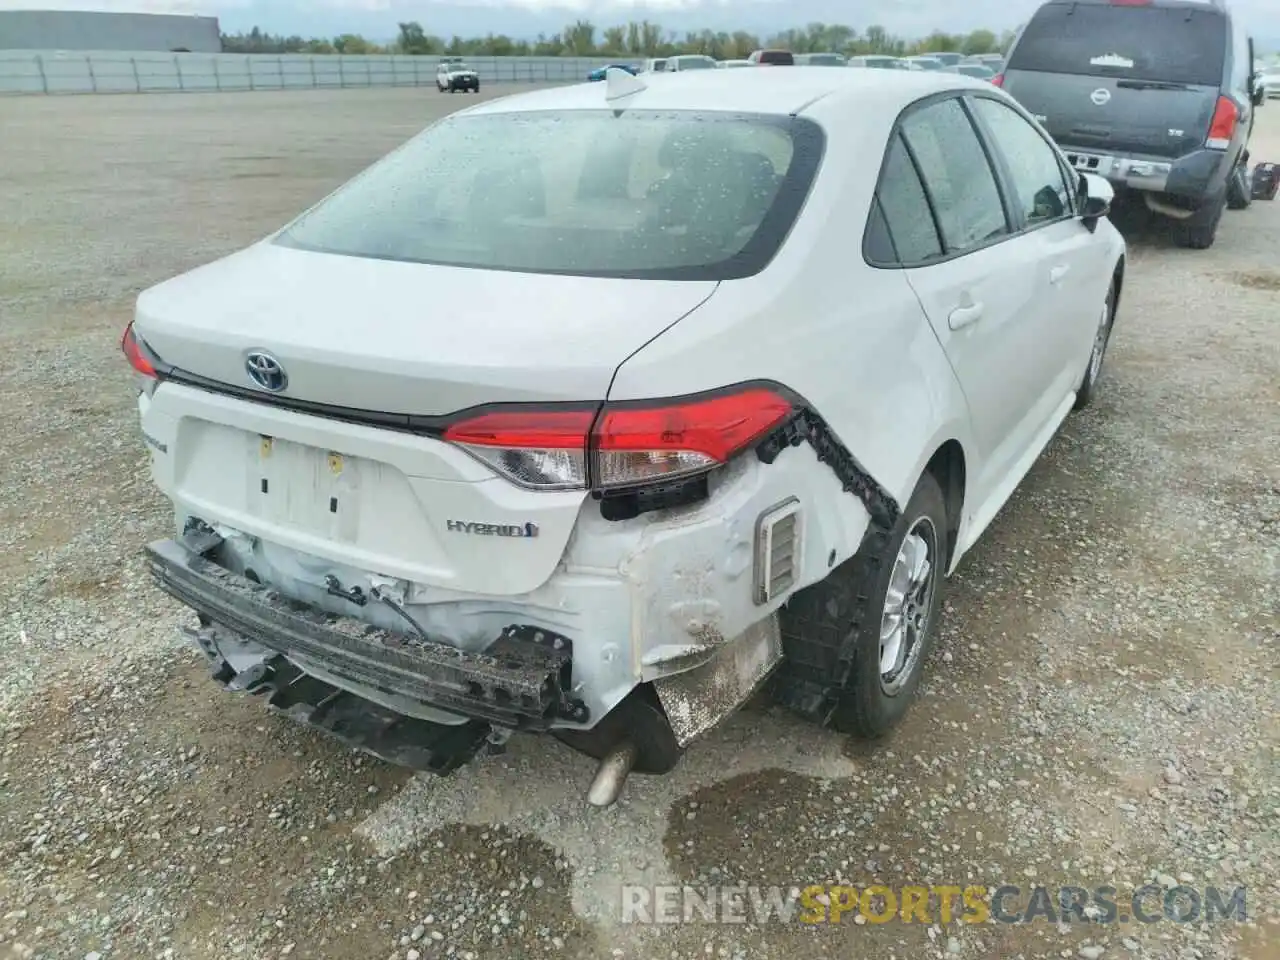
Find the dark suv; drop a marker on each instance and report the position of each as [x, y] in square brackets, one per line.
[1155, 95]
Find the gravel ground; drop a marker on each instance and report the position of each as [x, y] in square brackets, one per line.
[1102, 708]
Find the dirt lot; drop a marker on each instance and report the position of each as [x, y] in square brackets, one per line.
[1104, 707]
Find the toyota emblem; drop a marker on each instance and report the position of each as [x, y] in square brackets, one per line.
[1100, 96]
[265, 371]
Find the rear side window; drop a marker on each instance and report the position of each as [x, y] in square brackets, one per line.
[957, 175]
[1173, 44]
[905, 209]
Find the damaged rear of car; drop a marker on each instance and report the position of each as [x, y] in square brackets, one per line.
[406, 509]
[562, 418]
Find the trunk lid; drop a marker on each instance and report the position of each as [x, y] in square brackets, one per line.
[406, 338]
[373, 335]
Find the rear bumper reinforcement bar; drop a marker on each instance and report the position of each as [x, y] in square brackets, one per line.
[359, 723]
[522, 681]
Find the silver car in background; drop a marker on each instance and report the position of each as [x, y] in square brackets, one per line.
[690, 61]
[879, 61]
[924, 63]
[1269, 82]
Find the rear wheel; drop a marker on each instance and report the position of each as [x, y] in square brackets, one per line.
[1239, 191]
[862, 635]
[1200, 229]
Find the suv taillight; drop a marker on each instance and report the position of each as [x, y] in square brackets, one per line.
[136, 353]
[1223, 127]
[998, 80]
[625, 445]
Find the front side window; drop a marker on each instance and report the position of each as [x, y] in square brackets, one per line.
[642, 194]
[956, 174]
[1042, 193]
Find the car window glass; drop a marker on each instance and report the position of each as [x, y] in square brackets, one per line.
[877, 245]
[1241, 64]
[672, 195]
[906, 209]
[1042, 192]
[956, 171]
[1134, 42]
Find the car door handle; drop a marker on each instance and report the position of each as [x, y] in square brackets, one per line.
[1057, 273]
[963, 316]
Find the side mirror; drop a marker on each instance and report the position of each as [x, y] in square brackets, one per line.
[1096, 195]
[1259, 95]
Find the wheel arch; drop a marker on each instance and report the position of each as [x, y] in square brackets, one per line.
[1118, 274]
[947, 466]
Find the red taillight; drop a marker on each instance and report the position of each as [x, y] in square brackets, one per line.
[534, 447]
[546, 429]
[135, 354]
[1225, 116]
[998, 80]
[628, 444]
[638, 443]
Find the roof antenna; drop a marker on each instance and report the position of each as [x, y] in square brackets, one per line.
[618, 83]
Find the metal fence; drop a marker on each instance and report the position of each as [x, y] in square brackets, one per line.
[109, 71]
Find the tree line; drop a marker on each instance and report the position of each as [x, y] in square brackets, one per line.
[635, 39]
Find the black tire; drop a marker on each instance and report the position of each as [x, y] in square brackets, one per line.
[1239, 190]
[831, 630]
[1088, 388]
[1199, 230]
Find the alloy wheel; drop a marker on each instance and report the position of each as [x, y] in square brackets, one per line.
[908, 606]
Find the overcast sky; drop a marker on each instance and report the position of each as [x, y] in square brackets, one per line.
[377, 19]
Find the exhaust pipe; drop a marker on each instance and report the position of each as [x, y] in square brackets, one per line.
[1166, 209]
[611, 775]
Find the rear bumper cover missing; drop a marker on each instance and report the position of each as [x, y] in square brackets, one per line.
[522, 682]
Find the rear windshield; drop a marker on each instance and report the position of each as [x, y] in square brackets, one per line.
[677, 195]
[782, 57]
[1174, 44]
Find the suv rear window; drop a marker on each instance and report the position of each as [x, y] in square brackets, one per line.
[676, 195]
[1174, 44]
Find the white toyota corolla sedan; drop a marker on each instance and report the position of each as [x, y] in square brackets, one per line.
[590, 410]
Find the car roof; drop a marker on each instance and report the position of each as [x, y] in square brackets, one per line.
[1218, 5]
[764, 91]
